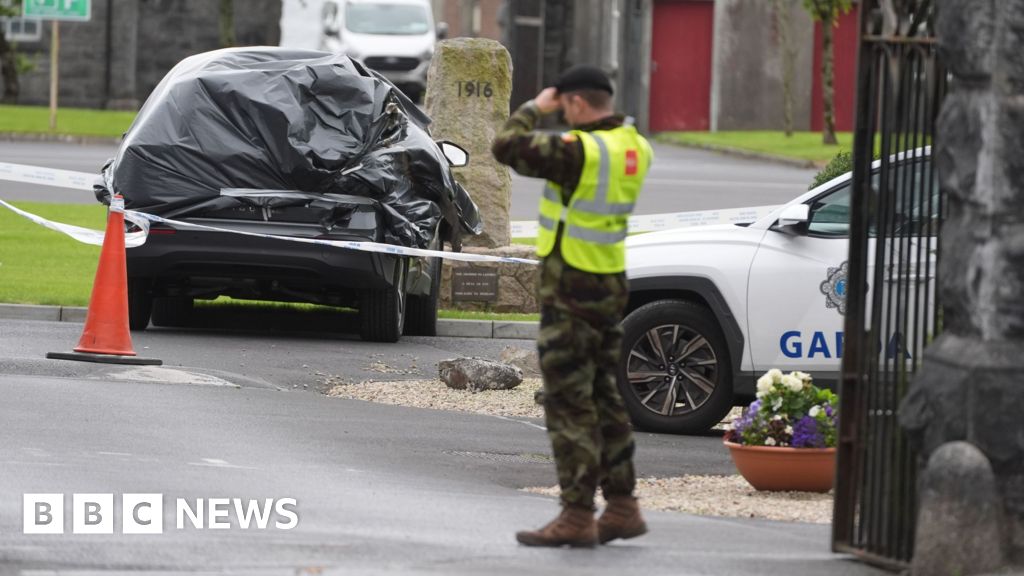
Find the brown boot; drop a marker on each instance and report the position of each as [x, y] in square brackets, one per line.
[574, 527]
[621, 519]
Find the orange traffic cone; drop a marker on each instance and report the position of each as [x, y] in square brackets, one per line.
[106, 337]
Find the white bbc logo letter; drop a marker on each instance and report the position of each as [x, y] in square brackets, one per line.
[142, 513]
[92, 514]
[43, 514]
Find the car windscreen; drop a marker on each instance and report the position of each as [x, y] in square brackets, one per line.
[391, 19]
[912, 209]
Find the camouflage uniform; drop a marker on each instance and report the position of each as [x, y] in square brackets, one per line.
[580, 338]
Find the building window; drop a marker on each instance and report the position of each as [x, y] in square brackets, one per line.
[22, 29]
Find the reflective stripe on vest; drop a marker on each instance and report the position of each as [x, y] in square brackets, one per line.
[600, 204]
[595, 222]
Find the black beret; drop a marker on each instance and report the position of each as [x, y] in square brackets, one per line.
[583, 77]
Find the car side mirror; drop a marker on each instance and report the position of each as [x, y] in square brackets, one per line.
[456, 155]
[442, 30]
[794, 218]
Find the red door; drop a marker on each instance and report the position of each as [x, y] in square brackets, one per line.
[845, 81]
[681, 65]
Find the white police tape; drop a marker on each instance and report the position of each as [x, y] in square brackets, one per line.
[349, 244]
[83, 235]
[520, 229]
[655, 222]
[47, 176]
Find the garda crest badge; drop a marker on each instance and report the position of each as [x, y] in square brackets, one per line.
[834, 288]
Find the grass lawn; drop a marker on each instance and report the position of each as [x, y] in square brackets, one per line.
[70, 121]
[800, 146]
[40, 266]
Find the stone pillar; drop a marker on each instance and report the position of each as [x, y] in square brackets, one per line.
[124, 24]
[468, 91]
[971, 386]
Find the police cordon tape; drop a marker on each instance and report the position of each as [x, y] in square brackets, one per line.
[520, 229]
[656, 222]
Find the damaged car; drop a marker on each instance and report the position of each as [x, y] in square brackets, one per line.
[280, 144]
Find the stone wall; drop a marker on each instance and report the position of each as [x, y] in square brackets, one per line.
[970, 385]
[118, 57]
[748, 94]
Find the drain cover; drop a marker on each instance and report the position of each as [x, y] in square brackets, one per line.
[524, 458]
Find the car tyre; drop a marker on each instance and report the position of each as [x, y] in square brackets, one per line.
[172, 311]
[421, 312]
[382, 312]
[140, 303]
[675, 375]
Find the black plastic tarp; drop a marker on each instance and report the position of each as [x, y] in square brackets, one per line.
[291, 120]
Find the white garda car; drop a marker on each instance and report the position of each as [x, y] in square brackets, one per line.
[711, 308]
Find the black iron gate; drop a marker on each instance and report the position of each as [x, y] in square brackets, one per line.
[892, 308]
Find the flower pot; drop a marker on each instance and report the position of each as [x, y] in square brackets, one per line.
[784, 469]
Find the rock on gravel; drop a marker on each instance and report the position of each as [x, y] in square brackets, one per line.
[729, 496]
[475, 374]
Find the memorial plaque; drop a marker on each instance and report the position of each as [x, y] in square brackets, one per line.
[474, 285]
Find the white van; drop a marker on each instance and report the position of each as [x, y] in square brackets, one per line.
[393, 37]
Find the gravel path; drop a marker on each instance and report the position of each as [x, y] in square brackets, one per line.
[729, 496]
[517, 402]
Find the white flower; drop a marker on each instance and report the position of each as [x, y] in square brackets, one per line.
[775, 374]
[814, 411]
[777, 403]
[777, 417]
[793, 383]
[769, 441]
[789, 430]
[803, 376]
[764, 385]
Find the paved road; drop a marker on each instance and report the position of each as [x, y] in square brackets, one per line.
[680, 179]
[380, 489]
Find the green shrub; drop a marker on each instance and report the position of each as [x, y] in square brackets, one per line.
[840, 164]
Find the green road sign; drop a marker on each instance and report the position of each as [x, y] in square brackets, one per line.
[79, 10]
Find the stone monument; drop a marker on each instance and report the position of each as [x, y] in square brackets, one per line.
[970, 385]
[468, 91]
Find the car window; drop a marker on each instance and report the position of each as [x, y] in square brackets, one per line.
[830, 214]
[914, 213]
[394, 19]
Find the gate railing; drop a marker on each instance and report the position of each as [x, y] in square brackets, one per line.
[892, 309]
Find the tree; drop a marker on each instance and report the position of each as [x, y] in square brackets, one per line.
[8, 56]
[227, 23]
[787, 50]
[827, 12]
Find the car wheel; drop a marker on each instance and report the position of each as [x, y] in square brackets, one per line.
[421, 313]
[140, 303]
[382, 312]
[172, 311]
[675, 375]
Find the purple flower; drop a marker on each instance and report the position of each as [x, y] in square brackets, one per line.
[806, 434]
[745, 420]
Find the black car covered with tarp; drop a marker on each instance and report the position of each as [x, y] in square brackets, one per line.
[286, 143]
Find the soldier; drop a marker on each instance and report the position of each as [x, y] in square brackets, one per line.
[594, 174]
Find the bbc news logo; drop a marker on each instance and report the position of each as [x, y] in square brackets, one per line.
[144, 513]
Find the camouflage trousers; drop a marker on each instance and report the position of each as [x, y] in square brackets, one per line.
[580, 343]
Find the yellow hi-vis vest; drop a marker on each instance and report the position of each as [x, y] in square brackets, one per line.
[595, 221]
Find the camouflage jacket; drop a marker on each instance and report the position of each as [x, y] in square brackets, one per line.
[554, 157]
